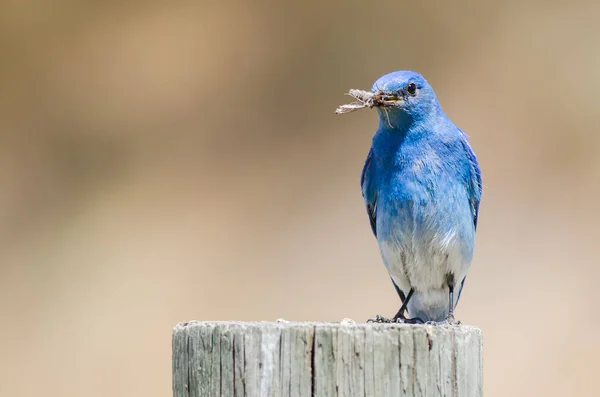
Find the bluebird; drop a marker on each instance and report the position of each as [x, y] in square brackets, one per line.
[421, 184]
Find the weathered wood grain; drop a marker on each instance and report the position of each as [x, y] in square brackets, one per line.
[222, 359]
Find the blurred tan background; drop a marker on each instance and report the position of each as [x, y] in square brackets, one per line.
[169, 161]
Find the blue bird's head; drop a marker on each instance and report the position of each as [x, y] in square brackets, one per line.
[406, 97]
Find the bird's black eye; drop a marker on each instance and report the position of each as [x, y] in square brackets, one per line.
[411, 88]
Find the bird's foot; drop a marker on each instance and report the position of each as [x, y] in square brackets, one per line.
[404, 320]
[396, 320]
[380, 320]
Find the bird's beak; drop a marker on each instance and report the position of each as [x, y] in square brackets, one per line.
[383, 99]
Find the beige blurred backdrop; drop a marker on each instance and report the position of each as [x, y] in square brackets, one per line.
[169, 161]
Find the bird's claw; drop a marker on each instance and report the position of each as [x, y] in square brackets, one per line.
[396, 320]
[404, 320]
[380, 320]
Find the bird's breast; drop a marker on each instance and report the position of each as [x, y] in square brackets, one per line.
[424, 226]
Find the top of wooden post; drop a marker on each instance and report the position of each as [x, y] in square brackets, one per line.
[273, 359]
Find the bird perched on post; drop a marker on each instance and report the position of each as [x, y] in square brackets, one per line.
[421, 184]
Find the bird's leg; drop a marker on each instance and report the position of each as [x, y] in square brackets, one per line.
[400, 314]
[381, 319]
[450, 318]
[400, 317]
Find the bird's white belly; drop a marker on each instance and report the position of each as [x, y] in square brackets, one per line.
[424, 265]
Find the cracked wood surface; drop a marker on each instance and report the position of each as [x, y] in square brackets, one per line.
[283, 359]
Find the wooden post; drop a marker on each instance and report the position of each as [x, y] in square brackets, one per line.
[283, 359]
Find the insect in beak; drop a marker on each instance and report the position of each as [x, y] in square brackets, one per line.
[366, 99]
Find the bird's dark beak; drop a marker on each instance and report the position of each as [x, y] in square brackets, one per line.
[384, 99]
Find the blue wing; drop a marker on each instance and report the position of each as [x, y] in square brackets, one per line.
[474, 189]
[369, 192]
[473, 180]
